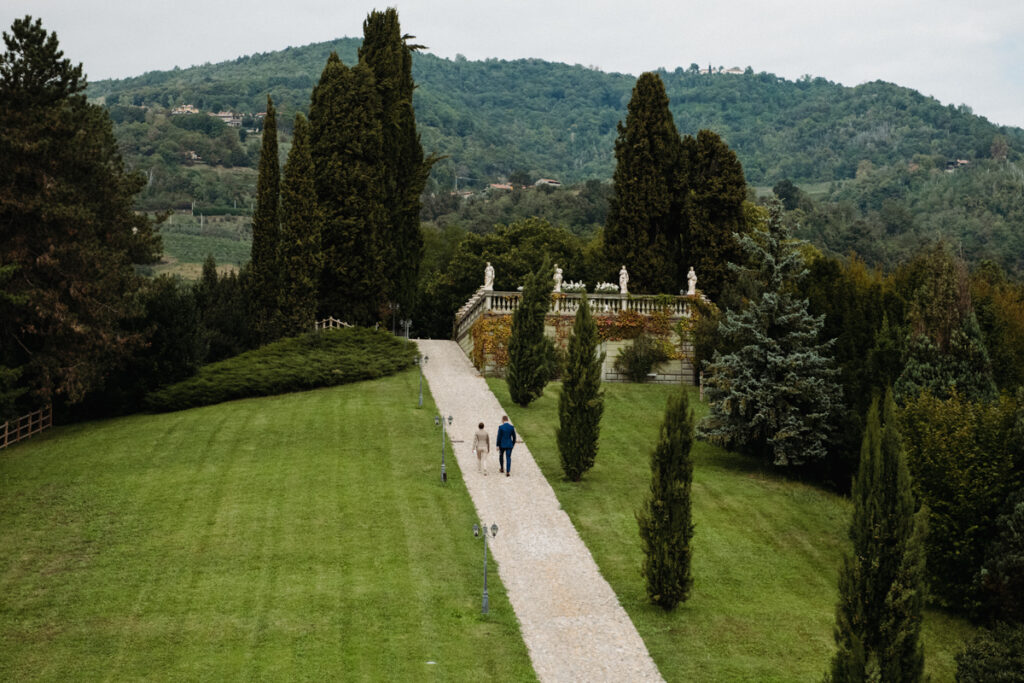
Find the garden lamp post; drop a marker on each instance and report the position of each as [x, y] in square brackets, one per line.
[406, 324]
[438, 420]
[421, 361]
[493, 532]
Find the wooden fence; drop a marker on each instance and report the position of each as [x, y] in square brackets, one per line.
[330, 323]
[25, 426]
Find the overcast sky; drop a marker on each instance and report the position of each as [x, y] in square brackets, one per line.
[958, 51]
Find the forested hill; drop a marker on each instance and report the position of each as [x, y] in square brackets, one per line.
[498, 118]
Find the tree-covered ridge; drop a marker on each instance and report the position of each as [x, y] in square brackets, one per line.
[495, 118]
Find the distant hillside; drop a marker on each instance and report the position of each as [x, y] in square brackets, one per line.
[531, 118]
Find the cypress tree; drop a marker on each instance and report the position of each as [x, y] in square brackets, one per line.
[528, 350]
[300, 251]
[666, 525]
[881, 583]
[265, 268]
[404, 171]
[716, 188]
[345, 127]
[643, 228]
[581, 403]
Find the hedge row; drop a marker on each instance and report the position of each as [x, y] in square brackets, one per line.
[317, 359]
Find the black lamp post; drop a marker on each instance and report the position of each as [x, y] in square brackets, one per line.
[421, 361]
[493, 533]
[438, 420]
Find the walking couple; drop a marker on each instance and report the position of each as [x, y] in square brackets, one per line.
[505, 441]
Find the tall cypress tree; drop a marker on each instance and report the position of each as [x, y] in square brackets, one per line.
[265, 269]
[666, 524]
[716, 188]
[404, 171]
[346, 139]
[643, 228]
[881, 583]
[300, 253]
[581, 403]
[528, 350]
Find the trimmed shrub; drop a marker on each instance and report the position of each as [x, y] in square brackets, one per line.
[317, 359]
[636, 360]
[995, 656]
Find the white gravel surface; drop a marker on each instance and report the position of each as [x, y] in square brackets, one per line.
[572, 623]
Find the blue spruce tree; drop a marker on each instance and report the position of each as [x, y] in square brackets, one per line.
[772, 396]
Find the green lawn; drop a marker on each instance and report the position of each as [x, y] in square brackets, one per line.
[303, 536]
[766, 550]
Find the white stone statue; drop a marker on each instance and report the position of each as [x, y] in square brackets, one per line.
[489, 277]
[623, 281]
[691, 279]
[558, 278]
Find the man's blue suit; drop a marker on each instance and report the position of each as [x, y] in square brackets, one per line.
[505, 441]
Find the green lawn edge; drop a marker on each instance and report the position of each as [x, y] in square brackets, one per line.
[766, 550]
[296, 537]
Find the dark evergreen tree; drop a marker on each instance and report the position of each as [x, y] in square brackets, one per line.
[666, 524]
[345, 127]
[714, 211]
[529, 351]
[404, 171]
[944, 349]
[643, 227]
[774, 395]
[221, 304]
[300, 251]
[266, 267]
[881, 583]
[993, 656]
[68, 231]
[1001, 579]
[581, 403]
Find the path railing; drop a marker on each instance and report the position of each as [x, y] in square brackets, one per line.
[331, 323]
[23, 427]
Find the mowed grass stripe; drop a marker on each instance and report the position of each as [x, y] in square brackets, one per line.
[766, 550]
[304, 536]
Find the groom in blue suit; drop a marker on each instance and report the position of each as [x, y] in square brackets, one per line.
[505, 441]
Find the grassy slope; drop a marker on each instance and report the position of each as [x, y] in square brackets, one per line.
[766, 550]
[303, 536]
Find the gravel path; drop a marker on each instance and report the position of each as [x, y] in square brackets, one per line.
[572, 623]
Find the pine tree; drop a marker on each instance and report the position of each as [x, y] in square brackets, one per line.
[643, 228]
[581, 403]
[529, 351]
[881, 583]
[345, 136]
[69, 233]
[265, 265]
[299, 252]
[773, 397]
[714, 211]
[666, 525]
[389, 55]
